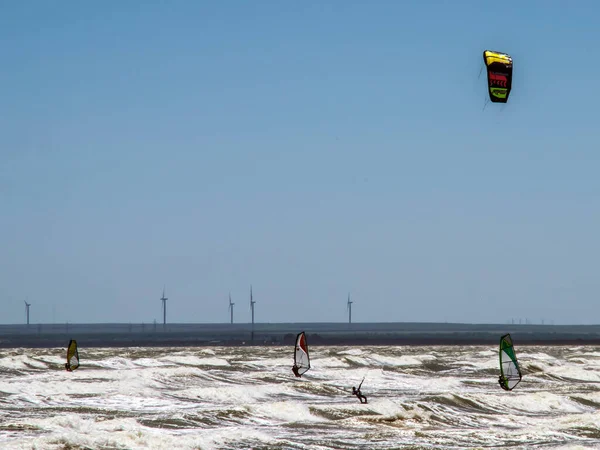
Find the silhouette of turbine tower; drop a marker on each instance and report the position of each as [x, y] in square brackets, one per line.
[27, 305]
[349, 308]
[164, 307]
[231, 308]
[252, 302]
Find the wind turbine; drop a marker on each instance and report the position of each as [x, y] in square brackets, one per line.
[231, 307]
[27, 305]
[252, 302]
[349, 308]
[164, 307]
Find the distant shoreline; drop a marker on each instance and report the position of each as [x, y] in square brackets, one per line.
[95, 343]
[318, 334]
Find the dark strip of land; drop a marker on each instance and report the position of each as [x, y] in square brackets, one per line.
[180, 335]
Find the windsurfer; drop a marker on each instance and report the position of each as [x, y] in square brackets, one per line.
[358, 394]
[502, 383]
[295, 370]
[68, 367]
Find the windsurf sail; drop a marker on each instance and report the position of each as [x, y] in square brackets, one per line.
[510, 372]
[73, 355]
[499, 74]
[301, 356]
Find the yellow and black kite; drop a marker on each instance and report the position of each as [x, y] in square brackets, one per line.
[499, 73]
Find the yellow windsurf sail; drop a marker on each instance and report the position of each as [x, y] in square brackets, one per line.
[72, 355]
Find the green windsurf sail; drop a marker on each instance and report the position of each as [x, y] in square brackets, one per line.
[510, 372]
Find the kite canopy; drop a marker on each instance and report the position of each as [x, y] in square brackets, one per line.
[73, 354]
[499, 73]
[301, 358]
[510, 371]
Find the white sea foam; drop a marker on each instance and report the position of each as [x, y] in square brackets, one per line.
[195, 361]
[236, 398]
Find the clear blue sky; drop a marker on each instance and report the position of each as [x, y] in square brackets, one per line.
[310, 149]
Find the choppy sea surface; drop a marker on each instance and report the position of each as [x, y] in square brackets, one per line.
[439, 397]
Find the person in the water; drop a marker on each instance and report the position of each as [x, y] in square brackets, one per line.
[68, 367]
[295, 370]
[502, 383]
[359, 394]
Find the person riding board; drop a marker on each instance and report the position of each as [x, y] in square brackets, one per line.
[502, 383]
[68, 367]
[358, 394]
[295, 370]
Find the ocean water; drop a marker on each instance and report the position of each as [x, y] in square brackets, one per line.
[440, 397]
